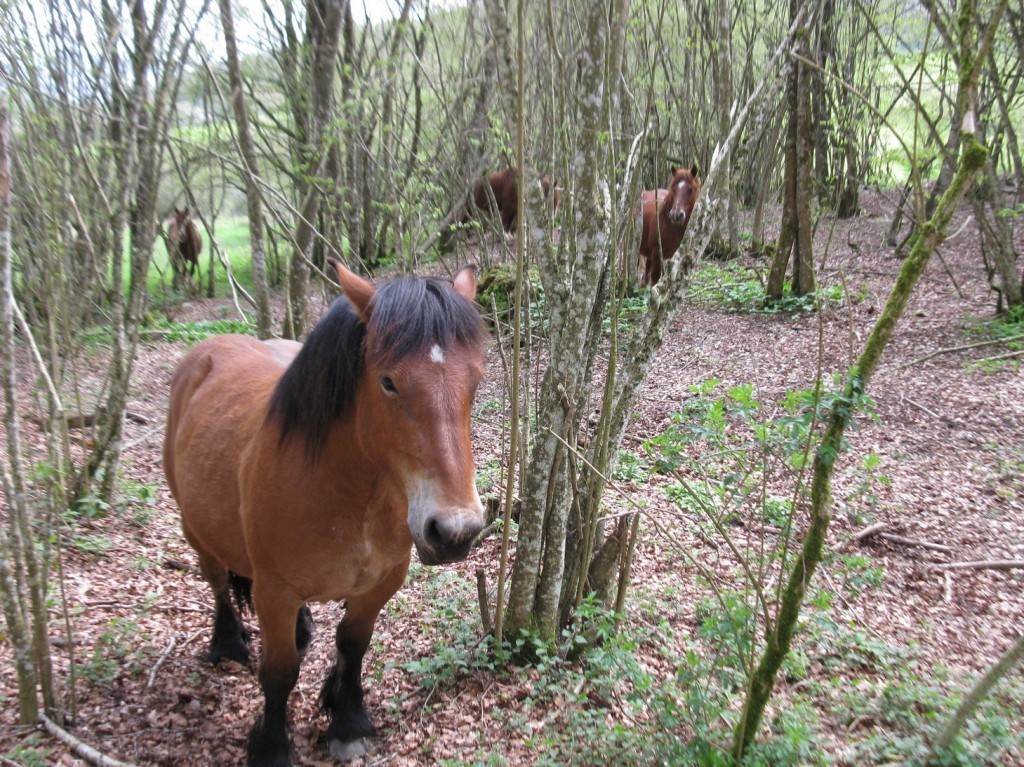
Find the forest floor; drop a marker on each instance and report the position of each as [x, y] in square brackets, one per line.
[889, 643]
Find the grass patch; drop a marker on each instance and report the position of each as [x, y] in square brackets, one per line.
[1008, 328]
[735, 287]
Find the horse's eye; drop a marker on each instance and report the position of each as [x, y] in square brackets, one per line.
[388, 386]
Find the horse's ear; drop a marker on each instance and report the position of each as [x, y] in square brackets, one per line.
[694, 172]
[465, 282]
[356, 289]
[672, 170]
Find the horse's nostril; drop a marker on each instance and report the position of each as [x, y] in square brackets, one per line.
[433, 534]
[451, 535]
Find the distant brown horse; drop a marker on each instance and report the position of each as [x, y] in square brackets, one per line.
[184, 243]
[306, 472]
[666, 214]
[504, 186]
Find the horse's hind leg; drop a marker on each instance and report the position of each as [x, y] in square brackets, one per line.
[342, 693]
[230, 637]
[304, 628]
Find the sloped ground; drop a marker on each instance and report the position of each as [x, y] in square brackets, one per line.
[949, 435]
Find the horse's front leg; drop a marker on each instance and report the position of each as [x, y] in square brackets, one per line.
[277, 611]
[342, 693]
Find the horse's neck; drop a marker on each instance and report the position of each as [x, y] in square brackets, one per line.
[363, 477]
[663, 199]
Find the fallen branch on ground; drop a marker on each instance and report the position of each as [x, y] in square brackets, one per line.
[985, 564]
[911, 542]
[869, 531]
[951, 349]
[996, 358]
[876, 530]
[78, 747]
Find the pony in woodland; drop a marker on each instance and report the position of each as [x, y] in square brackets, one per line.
[500, 192]
[665, 214]
[184, 244]
[307, 472]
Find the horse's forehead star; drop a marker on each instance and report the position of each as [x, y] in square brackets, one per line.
[437, 354]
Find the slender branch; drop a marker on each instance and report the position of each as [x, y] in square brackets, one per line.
[978, 693]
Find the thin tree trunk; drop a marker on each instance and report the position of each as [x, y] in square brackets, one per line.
[537, 577]
[795, 236]
[788, 227]
[253, 197]
[15, 548]
[327, 31]
[803, 258]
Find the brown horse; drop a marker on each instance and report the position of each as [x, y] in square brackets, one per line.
[666, 214]
[504, 187]
[184, 243]
[305, 473]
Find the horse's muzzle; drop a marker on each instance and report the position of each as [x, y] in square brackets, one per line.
[447, 537]
[677, 217]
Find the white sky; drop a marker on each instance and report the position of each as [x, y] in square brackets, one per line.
[249, 13]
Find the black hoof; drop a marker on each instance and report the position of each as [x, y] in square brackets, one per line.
[236, 649]
[350, 729]
[267, 749]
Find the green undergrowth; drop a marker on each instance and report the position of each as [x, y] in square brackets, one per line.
[1008, 331]
[664, 684]
[164, 330]
[652, 689]
[738, 287]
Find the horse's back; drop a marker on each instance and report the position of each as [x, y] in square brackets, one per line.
[219, 395]
[649, 217]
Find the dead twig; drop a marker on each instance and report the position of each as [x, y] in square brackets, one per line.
[923, 409]
[869, 531]
[80, 748]
[911, 542]
[965, 347]
[151, 679]
[996, 358]
[985, 564]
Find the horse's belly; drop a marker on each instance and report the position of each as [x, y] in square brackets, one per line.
[218, 398]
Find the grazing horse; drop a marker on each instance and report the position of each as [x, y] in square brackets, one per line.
[504, 187]
[184, 243]
[306, 473]
[666, 214]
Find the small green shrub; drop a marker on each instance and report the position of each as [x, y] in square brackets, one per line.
[121, 646]
[30, 753]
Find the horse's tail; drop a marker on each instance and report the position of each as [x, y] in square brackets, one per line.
[241, 587]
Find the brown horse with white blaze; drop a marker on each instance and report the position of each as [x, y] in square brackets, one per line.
[307, 473]
[665, 214]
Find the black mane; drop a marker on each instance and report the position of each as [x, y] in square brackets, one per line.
[407, 316]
